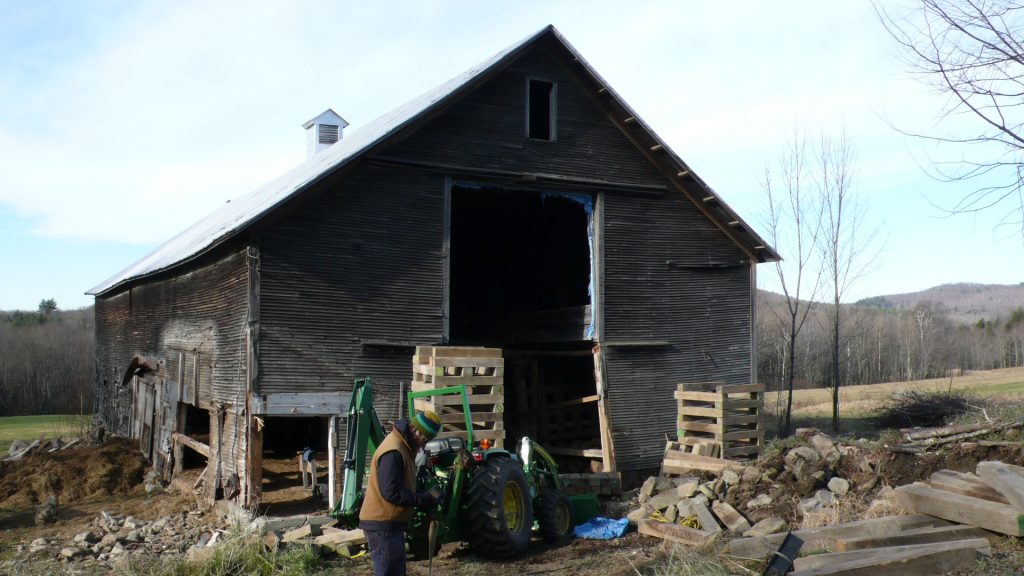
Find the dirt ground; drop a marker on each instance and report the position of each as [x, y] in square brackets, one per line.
[109, 478]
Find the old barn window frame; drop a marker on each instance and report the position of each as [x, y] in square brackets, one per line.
[541, 109]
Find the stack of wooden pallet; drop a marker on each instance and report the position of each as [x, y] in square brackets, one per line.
[955, 516]
[481, 370]
[721, 420]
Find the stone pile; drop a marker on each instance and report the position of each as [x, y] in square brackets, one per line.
[755, 499]
[113, 536]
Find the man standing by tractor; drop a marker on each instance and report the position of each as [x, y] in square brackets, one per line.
[391, 492]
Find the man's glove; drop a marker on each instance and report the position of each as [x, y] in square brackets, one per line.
[436, 495]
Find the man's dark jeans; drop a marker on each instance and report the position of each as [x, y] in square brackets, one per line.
[387, 550]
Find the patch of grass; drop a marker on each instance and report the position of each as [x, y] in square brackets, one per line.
[32, 427]
[240, 552]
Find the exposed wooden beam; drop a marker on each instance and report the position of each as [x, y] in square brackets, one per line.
[630, 120]
[683, 173]
[656, 147]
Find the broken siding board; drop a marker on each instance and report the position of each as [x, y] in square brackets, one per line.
[1004, 480]
[824, 538]
[673, 532]
[993, 516]
[918, 536]
[918, 560]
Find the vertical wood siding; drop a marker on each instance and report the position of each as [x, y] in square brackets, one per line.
[202, 310]
[669, 276]
[487, 130]
[360, 263]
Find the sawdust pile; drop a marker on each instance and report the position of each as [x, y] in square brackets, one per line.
[115, 467]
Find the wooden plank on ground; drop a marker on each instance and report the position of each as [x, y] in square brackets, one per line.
[1005, 481]
[966, 484]
[823, 539]
[918, 536]
[673, 532]
[924, 499]
[683, 463]
[916, 560]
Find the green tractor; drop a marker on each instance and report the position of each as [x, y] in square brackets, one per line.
[494, 499]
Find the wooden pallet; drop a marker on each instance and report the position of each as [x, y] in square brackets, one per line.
[481, 370]
[721, 420]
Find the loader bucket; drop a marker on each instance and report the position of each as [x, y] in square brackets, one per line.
[584, 508]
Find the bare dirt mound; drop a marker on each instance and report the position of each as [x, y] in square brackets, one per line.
[115, 467]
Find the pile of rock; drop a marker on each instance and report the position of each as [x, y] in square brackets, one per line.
[758, 498]
[112, 536]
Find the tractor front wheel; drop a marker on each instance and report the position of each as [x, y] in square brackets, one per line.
[499, 514]
[554, 515]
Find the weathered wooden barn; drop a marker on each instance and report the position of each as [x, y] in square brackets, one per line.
[521, 205]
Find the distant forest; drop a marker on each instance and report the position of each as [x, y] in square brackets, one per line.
[46, 361]
[887, 342]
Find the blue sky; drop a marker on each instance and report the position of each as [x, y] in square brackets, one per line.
[121, 123]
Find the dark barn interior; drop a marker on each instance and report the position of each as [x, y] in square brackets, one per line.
[521, 280]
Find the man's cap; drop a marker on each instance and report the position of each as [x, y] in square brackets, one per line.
[428, 423]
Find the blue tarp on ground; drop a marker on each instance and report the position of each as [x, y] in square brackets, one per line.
[601, 529]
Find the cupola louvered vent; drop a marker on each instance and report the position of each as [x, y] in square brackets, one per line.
[328, 133]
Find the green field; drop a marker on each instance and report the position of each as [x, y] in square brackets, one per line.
[32, 427]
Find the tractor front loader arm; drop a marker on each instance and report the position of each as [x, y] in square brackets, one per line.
[365, 433]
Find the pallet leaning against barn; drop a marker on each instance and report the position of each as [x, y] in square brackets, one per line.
[721, 420]
[482, 370]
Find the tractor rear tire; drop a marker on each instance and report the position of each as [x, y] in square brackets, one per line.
[499, 514]
[554, 515]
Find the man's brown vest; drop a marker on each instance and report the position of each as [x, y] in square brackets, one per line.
[375, 507]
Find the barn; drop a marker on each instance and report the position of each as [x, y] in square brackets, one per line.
[522, 205]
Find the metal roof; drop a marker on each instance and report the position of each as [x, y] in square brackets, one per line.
[236, 215]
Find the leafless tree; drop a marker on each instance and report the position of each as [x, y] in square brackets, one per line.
[794, 221]
[971, 51]
[847, 248]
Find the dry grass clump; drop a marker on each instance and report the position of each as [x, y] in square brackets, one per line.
[921, 408]
[846, 509]
[682, 561]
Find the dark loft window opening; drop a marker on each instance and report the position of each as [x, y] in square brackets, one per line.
[520, 266]
[540, 110]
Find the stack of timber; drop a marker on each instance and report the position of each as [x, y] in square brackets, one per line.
[721, 420]
[957, 516]
[481, 370]
[992, 499]
[919, 440]
[915, 545]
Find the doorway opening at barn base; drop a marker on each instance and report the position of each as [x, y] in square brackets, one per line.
[287, 441]
[521, 275]
[196, 425]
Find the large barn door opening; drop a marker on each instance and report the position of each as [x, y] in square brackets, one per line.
[521, 279]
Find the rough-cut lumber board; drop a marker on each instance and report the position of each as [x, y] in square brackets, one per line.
[824, 538]
[677, 462]
[917, 560]
[307, 531]
[966, 484]
[1005, 481]
[918, 536]
[993, 516]
[192, 443]
[673, 532]
[335, 538]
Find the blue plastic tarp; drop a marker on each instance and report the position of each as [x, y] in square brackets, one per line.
[602, 528]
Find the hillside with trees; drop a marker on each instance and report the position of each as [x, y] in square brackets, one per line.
[46, 361]
[963, 303]
[898, 338]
